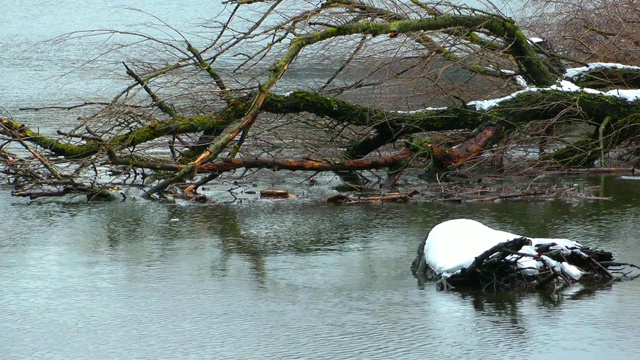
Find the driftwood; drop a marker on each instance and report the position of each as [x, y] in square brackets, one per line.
[276, 194]
[508, 196]
[391, 197]
[496, 269]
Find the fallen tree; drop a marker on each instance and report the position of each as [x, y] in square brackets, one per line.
[550, 116]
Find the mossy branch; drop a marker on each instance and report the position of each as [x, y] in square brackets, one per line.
[164, 107]
[207, 67]
[534, 68]
[521, 109]
[157, 129]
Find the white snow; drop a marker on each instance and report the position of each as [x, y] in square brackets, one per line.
[488, 104]
[518, 78]
[575, 73]
[420, 110]
[506, 72]
[521, 81]
[567, 86]
[628, 94]
[417, 111]
[571, 270]
[454, 244]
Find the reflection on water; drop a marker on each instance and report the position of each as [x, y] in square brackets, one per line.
[293, 279]
[275, 280]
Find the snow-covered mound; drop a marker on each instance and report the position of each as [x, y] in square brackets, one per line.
[454, 244]
[464, 253]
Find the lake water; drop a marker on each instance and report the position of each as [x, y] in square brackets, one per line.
[270, 280]
[293, 279]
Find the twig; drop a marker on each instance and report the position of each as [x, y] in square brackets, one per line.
[167, 109]
[86, 103]
[40, 158]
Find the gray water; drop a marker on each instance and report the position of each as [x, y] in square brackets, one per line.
[293, 279]
[270, 280]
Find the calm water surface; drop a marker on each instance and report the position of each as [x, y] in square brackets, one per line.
[293, 279]
[266, 280]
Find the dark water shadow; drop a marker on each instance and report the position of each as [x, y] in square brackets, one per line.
[507, 303]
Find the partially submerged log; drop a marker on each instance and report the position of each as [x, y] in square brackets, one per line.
[465, 254]
[391, 197]
[276, 194]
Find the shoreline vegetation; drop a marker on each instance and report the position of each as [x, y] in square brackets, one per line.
[469, 105]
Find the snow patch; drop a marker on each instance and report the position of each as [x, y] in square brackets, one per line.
[488, 104]
[417, 111]
[576, 73]
[521, 81]
[454, 244]
[628, 94]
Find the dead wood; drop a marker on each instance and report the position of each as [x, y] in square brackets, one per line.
[390, 197]
[509, 196]
[276, 194]
[192, 126]
[36, 195]
[468, 149]
[497, 270]
[229, 164]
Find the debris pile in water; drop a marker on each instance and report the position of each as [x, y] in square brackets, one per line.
[466, 254]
